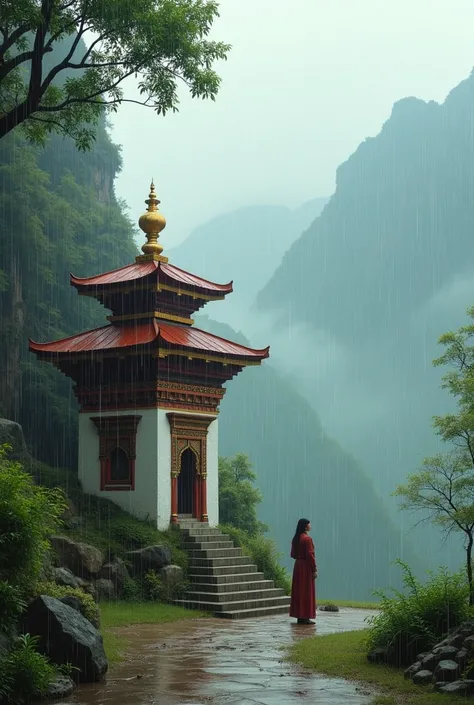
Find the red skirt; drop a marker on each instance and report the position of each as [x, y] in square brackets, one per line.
[303, 591]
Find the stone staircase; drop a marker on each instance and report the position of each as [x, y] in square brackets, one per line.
[223, 581]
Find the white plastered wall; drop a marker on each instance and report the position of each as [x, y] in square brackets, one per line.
[151, 498]
[142, 502]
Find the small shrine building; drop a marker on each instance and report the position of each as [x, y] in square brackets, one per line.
[149, 386]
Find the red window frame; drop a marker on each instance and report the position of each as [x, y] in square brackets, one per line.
[116, 432]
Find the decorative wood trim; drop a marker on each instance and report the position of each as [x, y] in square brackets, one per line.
[116, 432]
[189, 431]
[168, 395]
[152, 314]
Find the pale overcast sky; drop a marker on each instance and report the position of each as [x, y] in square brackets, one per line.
[305, 83]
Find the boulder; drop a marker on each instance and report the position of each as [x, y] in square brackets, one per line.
[149, 558]
[378, 655]
[117, 572]
[83, 560]
[329, 608]
[423, 677]
[62, 687]
[411, 670]
[171, 574]
[63, 576]
[105, 589]
[67, 637]
[77, 605]
[464, 687]
[88, 587]
[468, 643]
[12, 433]
[462, 658]
[430, 662]
[447, 670]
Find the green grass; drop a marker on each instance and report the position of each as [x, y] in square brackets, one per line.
[123, 614]
[345, 656]
[350, 603]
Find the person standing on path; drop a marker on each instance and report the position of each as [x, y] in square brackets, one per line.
[303, 591]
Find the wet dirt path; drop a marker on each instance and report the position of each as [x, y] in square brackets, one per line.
[214, 662]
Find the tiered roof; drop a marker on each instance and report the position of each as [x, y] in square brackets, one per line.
[151, 301]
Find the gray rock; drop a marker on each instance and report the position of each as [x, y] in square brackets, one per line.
[461, 687]
[329, 608]
[469, 643]
[88, 587]
[411, 670]
[462, 657]
[430, 662]
[117, 572]
[12, 433]
[105, 589]
[378, 655]
[423, 677]
[149, 558]
[447, 670]
[420, 657]
[62, 687]
[67, 637]
[81, 558]
[63, 576]
[445, 652]
[171, 574]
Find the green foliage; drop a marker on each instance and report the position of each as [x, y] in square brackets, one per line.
[263, 552]
[84, 51]
[24, 673]
[412, 622]
[238, 498]
[29, 514]
[11, 606]
[158, 590]
[90, 608]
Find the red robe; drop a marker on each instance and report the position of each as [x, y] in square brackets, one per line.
[303, 591]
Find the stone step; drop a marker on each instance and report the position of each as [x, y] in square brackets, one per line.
[243, 586]
[235, 605]
[227, 552]
[219, 598]
[194, 546]
[254, 613]
[225, 579]
[201, 531]
[219, 562]
[205, 538]
[218, 571]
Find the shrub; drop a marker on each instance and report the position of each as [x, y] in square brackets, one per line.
[25, 674]
[28, 516]
[410, 623]
[11, 606]
[90, 608]
[263, 552]
[159, 591]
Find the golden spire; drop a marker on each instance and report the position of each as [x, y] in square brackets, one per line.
[152, 223]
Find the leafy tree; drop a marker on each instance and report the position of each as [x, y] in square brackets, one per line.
[103, 43]
[238, 498]
[444, 486]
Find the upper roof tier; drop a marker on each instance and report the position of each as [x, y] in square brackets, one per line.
[140, 270]
[169, 337]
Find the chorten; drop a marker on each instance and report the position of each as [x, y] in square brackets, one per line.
[149, 385]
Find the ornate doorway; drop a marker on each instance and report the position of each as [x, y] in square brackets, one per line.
[187, 481]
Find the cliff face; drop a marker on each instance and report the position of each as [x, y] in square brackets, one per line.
[369, 287]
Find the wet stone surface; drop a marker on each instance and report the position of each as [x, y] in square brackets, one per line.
[209, 662]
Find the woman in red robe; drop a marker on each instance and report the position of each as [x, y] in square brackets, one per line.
[303, 592]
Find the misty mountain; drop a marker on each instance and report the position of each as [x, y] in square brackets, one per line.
[383, 271]
[245, 246]
[303, 472]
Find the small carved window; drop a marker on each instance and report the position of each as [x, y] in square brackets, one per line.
[117, 452]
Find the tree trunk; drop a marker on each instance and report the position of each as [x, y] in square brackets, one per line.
[14, 330]
[469, 568]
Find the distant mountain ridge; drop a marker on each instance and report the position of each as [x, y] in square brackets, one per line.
[245, 246]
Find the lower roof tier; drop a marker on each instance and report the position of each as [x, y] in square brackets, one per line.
[167, 337]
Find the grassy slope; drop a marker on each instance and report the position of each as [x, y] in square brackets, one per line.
[345, 656]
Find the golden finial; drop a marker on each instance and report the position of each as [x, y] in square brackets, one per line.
[152, 223]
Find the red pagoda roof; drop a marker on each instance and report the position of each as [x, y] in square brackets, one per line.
[139, 270]
[113, 337]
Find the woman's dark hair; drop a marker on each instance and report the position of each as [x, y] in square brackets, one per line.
[300, 529]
